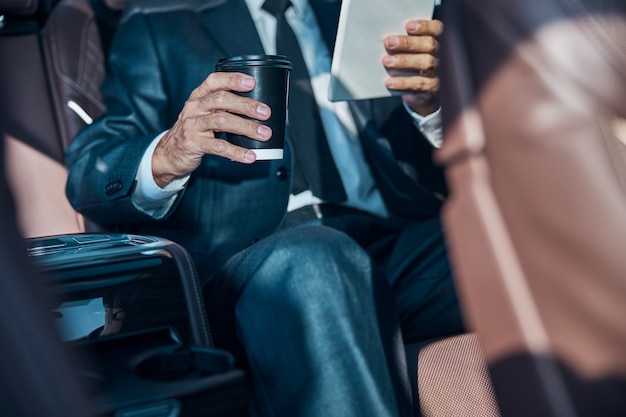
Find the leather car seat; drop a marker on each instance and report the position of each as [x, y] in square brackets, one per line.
[51, 68]
[535, 157]
[451, 378]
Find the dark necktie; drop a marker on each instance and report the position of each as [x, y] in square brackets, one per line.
[314, 165]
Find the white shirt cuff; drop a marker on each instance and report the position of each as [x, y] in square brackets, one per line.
[429, 125]
[148, 197]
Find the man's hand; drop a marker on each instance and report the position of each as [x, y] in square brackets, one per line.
[412, 61]
[211, 108]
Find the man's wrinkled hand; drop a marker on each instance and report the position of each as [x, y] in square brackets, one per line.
[211, 109]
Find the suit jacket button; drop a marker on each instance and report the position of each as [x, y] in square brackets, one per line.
[113, 187]
[282, 173]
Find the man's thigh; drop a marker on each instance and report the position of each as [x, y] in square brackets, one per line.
[421, 278]
[288, 264]
[413, 258]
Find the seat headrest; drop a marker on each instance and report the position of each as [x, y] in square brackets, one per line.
[19, 7]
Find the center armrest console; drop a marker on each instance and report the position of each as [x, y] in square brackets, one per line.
[131, 307]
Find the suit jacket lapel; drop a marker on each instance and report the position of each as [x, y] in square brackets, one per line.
[232, 29]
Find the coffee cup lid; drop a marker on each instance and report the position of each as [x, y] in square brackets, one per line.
[239, 61]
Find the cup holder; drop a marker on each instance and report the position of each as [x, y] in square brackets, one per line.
[180, 362]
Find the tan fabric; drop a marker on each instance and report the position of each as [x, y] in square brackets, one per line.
[616, 146]
[453, 379]
[619, 129]
[536, 219]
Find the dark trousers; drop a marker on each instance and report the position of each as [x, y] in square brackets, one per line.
[319, 313]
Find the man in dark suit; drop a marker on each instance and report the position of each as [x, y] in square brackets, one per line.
[304, 285]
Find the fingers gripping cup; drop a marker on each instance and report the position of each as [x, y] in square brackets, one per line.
[272, 87]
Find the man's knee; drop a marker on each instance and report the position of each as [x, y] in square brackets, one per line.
[309, 262]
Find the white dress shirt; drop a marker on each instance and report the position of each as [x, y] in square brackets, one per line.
[341, 132]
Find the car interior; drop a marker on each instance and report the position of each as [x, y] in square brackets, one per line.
[52, 62]
[132, 306]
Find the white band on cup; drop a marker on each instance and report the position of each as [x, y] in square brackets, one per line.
[267, 154]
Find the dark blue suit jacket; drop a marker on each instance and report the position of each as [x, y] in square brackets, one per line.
[161, 52]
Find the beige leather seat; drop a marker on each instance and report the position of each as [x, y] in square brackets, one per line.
[535, 101]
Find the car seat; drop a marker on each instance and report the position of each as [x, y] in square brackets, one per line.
[51, 68]
[534, 93]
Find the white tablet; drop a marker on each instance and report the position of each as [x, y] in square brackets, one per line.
[357, 71]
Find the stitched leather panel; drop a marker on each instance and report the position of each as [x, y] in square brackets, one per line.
[76, 65]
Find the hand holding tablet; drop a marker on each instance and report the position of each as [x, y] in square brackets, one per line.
[357, 70]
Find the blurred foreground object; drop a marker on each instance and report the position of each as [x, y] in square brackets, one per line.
[36, 375]
[534, 97]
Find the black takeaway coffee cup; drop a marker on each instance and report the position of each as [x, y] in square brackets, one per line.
[272, 88]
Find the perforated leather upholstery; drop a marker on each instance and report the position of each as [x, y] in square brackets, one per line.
[453, 379]
[75, 64]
